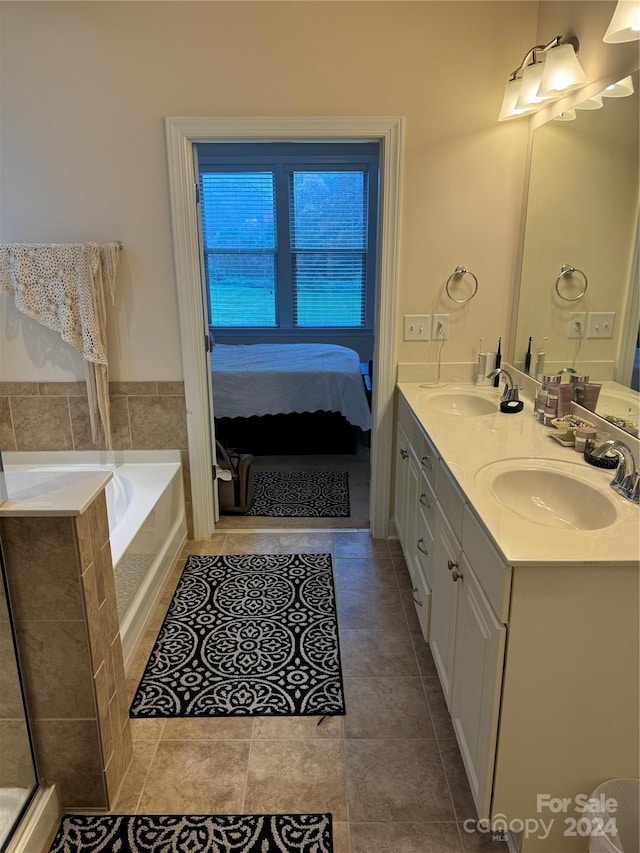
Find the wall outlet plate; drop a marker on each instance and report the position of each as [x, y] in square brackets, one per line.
[577, 324]
[600, 325]
[440, 327]
[417, 327]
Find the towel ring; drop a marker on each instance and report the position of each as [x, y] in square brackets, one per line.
[458, 273]
[566, 269]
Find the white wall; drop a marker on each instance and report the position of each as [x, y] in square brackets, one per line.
[85, 87]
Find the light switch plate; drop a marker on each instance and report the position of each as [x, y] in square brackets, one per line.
[417, 327]
[600, 325]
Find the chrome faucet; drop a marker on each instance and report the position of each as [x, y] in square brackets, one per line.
[566, 370]
[510, 391]
[627, 477]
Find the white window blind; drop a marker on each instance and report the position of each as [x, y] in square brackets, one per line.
[289, 235]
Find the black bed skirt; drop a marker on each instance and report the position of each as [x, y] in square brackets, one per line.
[297, 433]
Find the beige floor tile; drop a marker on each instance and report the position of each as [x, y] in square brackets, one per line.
[370, 608]
[147, 729]
[135, 777]
[481, 842]
[297, 776]
[359, 573]
[252, 542]
[375, 651]
[405, 838]
[463, 804]
[424, 657]
[386, 707]
[440, 716]
[298, 728]
[211, 728]
[396, 781]
[201, 777]
[359, 544]
[204, 546]
[341, 837]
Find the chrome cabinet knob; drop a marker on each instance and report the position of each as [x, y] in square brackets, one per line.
[451, 565]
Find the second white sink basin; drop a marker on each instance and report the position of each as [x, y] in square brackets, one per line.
[461, 403]
[549, 492]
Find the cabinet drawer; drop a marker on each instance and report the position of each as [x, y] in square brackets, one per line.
[424, 549]
[451, 500]
[489, 566]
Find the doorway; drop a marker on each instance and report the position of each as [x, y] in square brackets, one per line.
[181, 134]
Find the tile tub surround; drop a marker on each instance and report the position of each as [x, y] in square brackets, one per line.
[63, 598]
[55, 416]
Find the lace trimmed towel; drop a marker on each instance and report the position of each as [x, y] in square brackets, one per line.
[64, 286]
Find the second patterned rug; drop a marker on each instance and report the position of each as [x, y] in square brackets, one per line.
[301, 494]
[249, 635]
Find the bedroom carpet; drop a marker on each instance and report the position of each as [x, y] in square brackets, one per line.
[250, 635]
[301, 494]
[299, 833]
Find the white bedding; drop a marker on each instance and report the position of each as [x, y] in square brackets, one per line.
[273, 379]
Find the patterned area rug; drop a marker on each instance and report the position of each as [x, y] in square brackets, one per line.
[295, 494]
[300, 833]
[247, 636]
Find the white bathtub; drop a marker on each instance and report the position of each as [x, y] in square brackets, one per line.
[147, 525]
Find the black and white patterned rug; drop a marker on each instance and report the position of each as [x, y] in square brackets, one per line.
[296, 494]
[246, 635]
[299, 833]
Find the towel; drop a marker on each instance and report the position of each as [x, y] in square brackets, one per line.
[65, 287]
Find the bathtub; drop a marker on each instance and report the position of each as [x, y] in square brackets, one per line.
[147, 525]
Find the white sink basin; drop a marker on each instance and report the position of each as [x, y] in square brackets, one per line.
[461, 403]
[549, 492]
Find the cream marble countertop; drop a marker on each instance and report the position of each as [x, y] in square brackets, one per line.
[53, 493]
[466, 444]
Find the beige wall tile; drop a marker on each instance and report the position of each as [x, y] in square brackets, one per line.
[133, 389]
[18, 389]
[81, 425]
[170, 389]
[7, 438]
[69, 755]
[62, 389]
[104, 715]
[57, 669]
[83, 538]
[41, 423]
[10, 696]
[16, 767]
[99, 523]
[92, 608]
[37, 549]
[158, 423]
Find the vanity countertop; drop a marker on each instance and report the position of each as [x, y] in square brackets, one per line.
[467, 444]
[53, 493]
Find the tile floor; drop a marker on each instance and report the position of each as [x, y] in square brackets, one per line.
[389, 771]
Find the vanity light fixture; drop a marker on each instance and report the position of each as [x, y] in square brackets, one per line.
[546, 73]
[593, 103]
[622, 89]
[625, 24]
[567, 115]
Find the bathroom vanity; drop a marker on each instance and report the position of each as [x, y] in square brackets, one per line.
[525, 568]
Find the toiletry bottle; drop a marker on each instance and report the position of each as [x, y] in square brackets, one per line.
[540, 361]
[564, 399]
[490, 365]
[527, 358]
[498, 361]
[482, 366]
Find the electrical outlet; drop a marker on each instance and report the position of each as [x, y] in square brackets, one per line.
[600, 325]
[440, 327]
[577, 325]
[417, 327]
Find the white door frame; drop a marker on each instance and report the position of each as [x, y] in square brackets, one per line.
[181, 133]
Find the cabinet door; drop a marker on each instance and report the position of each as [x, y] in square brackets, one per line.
[401, 483]
[444, 590]
[478, 658]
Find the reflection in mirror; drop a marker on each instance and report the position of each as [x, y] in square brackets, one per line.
[579, 280]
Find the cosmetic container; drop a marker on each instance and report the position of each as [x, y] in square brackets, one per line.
[585, 438]
[564, 399]
[549, 416]
[590, 395]
[578, 385]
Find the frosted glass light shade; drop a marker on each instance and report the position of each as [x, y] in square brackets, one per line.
[625, 24]
[562, 72]
[622, 89]
[509, 107]
[529, 90]
[594, 103]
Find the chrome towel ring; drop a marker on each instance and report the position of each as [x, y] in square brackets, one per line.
[567, 270]
[458, 273]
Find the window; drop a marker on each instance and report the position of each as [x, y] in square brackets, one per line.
[289, 235]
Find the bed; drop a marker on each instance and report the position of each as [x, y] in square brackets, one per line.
[289, 398]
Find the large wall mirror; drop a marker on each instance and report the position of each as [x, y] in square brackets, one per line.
[580, 279]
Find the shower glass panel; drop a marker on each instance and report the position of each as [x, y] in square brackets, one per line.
[18, 780]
